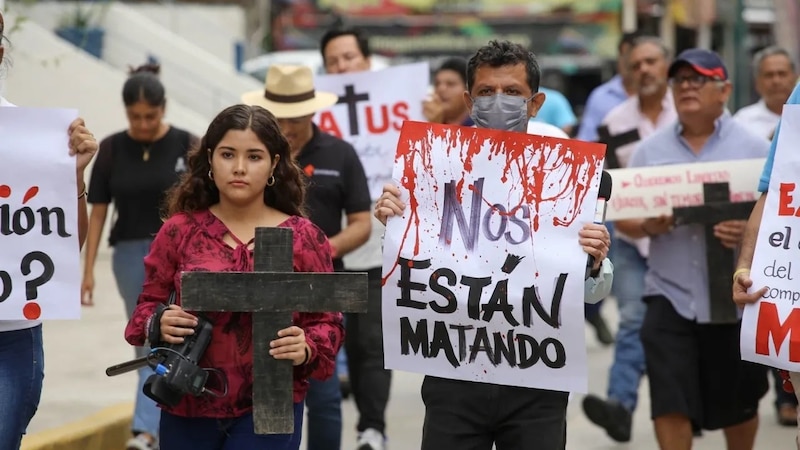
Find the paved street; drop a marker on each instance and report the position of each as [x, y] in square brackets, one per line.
[76, 386]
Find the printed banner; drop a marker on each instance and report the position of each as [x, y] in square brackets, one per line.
[40, 260]
[771, 327]
[642, 192]
[371, 110]
[483, 277]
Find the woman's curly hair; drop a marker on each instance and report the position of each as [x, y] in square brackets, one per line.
[196, 191]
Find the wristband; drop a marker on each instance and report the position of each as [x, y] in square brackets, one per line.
[154, 326]
[739, 272]
[308, 356]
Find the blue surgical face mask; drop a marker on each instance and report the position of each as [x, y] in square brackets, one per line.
[501, 112]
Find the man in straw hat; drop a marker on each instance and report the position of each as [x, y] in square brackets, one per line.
[336, 183]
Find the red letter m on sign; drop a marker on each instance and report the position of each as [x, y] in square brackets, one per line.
[769, 326]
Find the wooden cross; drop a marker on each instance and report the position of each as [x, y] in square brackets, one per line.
[615, 142]
[716, 208]
[271, 293]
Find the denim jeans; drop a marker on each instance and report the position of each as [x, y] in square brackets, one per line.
[628, 365]
[127, 263]
[324, 403]
[201, 433]
[21, 374]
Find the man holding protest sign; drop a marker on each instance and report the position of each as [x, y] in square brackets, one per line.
[503, 83]
[21, 350]
[744, 291]
[686, 345]
[651, 109]
[775, 76]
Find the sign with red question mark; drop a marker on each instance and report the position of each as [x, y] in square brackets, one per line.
[39, 263]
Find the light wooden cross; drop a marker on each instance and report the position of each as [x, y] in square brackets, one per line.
[271, 293]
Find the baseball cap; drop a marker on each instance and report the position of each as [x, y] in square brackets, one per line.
[704, 62]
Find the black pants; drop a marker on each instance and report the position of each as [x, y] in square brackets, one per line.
[465, 415]
[696, 370]
[369, 380]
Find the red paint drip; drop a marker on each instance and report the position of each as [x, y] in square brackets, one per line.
[5, 191]
[30, 194]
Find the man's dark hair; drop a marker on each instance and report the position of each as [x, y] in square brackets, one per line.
[457, 65]
[628, 39]
[361, 39]
[504, 53]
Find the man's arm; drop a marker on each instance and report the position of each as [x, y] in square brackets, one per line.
[751, 234]
[354, 235]
[741, 279]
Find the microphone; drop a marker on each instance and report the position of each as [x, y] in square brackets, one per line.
[603, 195]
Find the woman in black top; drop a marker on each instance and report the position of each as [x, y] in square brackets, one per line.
[134, 169]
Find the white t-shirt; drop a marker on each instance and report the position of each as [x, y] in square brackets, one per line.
[758, 119]
[625, 117]
[545, 129]
[14, 325]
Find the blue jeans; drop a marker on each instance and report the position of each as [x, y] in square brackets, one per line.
[201, 433]
[628, 366]
[127, 263]
[21, 375]
[324, 402]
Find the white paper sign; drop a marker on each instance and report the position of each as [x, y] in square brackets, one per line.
[642, 192]
[483, 274]
[40, 257]
[771, 327]
[371, 110]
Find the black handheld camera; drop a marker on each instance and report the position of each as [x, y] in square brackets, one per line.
[177, 372]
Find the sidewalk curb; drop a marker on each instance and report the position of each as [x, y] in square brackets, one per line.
[107, 429]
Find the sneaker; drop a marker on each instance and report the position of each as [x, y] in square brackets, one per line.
[370, 439]
[141, 441]
[609, 415]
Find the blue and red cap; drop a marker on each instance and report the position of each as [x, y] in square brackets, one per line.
[704, 62]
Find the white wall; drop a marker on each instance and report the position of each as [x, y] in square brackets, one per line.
[192, 75]
[214, 28]
[48, 72]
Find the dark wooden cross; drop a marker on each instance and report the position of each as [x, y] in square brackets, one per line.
[271, 293]
[615, 142]
[716, 208]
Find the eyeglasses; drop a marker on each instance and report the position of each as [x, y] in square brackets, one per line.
[695, 81]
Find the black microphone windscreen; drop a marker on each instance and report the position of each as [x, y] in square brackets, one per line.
[605, 186]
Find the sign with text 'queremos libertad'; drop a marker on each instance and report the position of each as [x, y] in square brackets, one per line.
[642, 192]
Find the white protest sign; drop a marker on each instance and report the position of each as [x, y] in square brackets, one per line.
[371, 110]
[642, 192]
[771, 327]
[483, 277]
[39, 262]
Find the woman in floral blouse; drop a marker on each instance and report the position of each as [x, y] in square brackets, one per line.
[241, 177]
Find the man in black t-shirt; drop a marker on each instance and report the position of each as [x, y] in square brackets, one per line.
[336, 184]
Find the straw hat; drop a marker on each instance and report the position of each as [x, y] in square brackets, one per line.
[289, 93]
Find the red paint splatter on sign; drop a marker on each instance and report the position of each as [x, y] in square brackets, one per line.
[30, 194]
